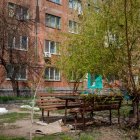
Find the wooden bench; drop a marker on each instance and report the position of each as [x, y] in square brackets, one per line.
[50, 102]
[93, 103]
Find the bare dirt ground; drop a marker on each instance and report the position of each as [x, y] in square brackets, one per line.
[23, 127]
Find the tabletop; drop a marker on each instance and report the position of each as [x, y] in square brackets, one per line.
[69, 97]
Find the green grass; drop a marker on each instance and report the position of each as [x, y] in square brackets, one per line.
[11, 138]
[5, 99]
[71, 136]
[86, 137]
[54, 137]
[59, 111]
[12, 117]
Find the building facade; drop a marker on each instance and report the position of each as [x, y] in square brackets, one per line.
[49, 21]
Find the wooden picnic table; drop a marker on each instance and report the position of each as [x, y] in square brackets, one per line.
[92, 103]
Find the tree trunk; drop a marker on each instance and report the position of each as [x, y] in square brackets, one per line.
[15, 86]
[134, 119]
[136, 111]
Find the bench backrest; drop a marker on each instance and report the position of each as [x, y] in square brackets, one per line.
[50, 100]
[103, 102]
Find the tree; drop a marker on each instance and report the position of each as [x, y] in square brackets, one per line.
[122, 24]
[108, 44]
[84, 52]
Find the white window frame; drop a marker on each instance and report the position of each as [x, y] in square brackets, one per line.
[75, 5]
[19, 78]
[56, 52]
[54, 74]
[20, 45]
[72, 30]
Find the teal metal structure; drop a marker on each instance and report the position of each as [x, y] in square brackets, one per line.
[94, 81]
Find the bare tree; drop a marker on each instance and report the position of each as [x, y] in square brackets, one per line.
[16, 53]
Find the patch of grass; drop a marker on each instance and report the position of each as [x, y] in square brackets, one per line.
[46, 138]
[69, 136]
[66, 137]
[5, 99]
[54, 137]
[59, 111]
[84, 136]
[12, 117]
[124, 111]
[11, 138]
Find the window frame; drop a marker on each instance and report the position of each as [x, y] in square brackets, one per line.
[56, 47]
[77, 7]
[54, 74]
[19, 72]
[54, 1]
[56, 19]
[18, 8]
[14, 42]
[73, 29]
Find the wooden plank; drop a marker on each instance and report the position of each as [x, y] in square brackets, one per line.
[56, 94]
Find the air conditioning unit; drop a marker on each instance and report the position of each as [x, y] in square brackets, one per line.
[80, 12]
[47, 54]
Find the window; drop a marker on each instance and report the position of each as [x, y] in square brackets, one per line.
[53, 21]
[51, 47]
[72, 76]
[52, 74]
[111, 39]
[17, 11]
[16, 71]
[56, 1]
[24, 42]
[19, 42]
[75, 77]
[75, 4]
[73, 26]
[136, 79]
[11, 9]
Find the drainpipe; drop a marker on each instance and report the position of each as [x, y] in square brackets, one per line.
[36, 31]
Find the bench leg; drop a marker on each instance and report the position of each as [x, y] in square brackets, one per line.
[48, 113]
[65, 119]
[110, 116]
[83, 120]
[42, 115]
[91, 114]
[75, 121]
[118, 116]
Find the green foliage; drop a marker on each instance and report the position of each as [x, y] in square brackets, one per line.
[125, 111]
[12, 117]
[107, 43]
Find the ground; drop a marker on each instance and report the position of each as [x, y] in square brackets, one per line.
[18, 124]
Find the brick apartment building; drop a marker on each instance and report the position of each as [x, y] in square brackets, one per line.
[54, 18]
